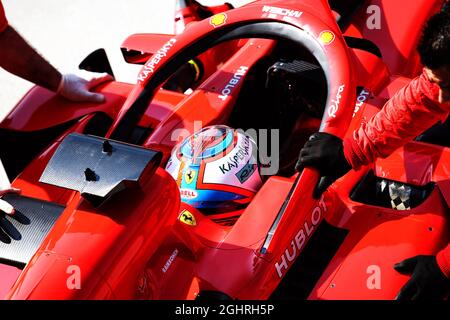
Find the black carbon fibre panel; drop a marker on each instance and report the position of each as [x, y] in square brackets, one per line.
[96, 167]
[33, 220]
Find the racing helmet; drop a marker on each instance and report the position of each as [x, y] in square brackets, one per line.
[216, 168]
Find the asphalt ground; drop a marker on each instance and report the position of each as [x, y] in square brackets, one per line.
[66, 31]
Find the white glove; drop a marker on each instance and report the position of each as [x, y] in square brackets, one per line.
[75, 87]
[5, 206]
[5, 187]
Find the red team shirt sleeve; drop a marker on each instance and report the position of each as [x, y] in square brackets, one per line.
[409, 113]
[3, 21]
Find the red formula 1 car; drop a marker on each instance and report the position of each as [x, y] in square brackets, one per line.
[100, 218]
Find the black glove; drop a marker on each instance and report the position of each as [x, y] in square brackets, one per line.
[7, 230]
[427, 280]
[324, 152]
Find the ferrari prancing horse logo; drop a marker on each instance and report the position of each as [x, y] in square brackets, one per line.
[189, 176]
[187, 218]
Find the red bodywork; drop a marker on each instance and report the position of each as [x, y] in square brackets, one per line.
[135, 246]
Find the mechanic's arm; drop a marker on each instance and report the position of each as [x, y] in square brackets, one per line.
[19, 58]
[409, 113]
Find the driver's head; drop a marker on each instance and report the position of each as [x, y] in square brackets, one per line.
[216, 169]
[434, 51]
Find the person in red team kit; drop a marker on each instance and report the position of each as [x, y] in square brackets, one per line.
[19, 58]
[419, 106]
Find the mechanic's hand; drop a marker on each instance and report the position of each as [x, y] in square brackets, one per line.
[427, 280]
[5, 206]
[75, 87]
[324, 152]
[7, 230]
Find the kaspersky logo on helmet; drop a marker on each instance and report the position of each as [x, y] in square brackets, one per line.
[243, 151]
